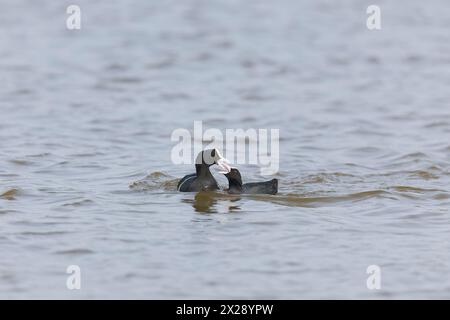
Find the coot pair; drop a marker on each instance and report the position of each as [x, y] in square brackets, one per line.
[203, 180]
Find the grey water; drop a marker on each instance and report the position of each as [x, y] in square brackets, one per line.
[86, 176]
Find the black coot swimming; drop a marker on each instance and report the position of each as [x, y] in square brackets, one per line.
[202, 179]
[236, 186]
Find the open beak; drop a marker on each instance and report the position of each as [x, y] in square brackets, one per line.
[224, 165]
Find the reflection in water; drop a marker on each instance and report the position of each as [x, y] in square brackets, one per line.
[214, 202]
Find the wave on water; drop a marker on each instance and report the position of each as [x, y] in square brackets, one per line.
[9, 194]
[300, 192]
[155, 181]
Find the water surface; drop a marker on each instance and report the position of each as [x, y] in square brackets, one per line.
[86, 176]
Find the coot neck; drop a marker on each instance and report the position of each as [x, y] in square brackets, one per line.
[234, 185]
[202, 170]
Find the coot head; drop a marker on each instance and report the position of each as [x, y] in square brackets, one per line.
[213, 156]
[234, 177]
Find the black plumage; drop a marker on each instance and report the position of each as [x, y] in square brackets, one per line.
[235, 185]
[202, 179]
